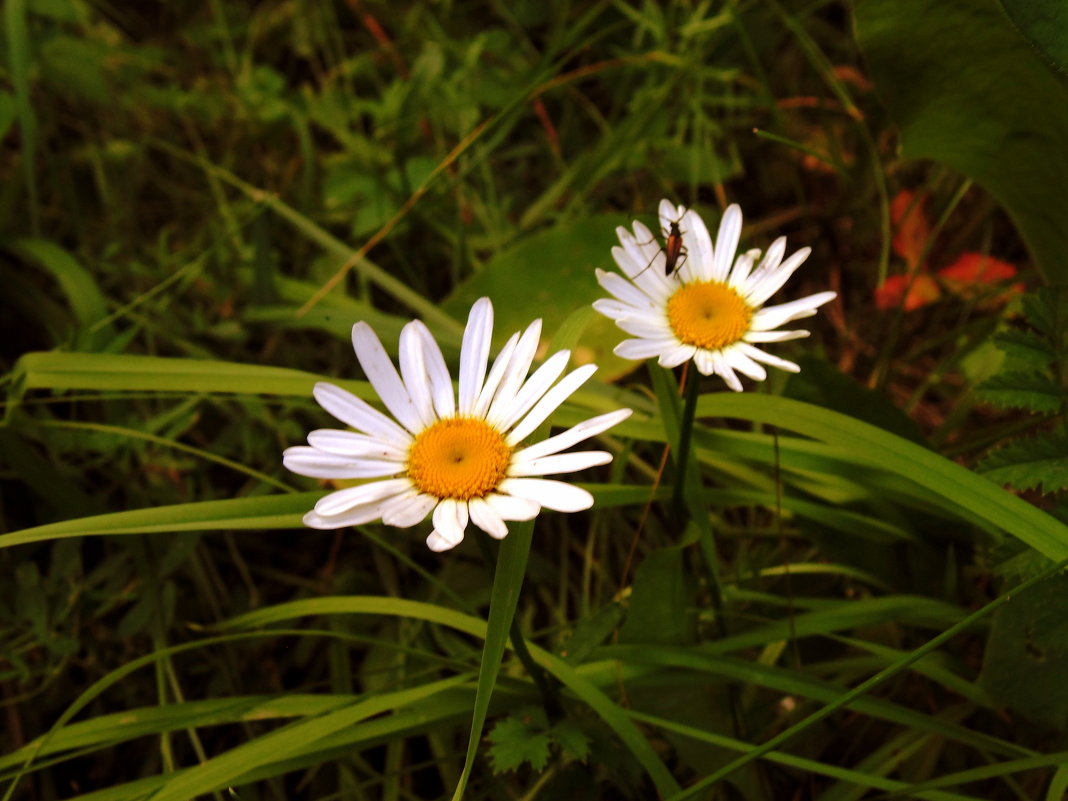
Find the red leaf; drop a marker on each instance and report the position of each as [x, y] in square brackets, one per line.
[922, 289]
[975, 268]
[911, 230]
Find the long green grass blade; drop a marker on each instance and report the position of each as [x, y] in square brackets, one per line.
[957, 485]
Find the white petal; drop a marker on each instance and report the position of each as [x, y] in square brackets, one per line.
[770, 262]
[730, 231]
[702, 359]
[773, 316]
[484, 516]
[510, 508]
[555, 495]
[359, 414]
[314, 463]
[496, 374]
[337, 502]
[407, 509]
[772, 282]
[559, 463]
[743, 364]
[674, 356]
[383, 376]
[438, 373]
[549, 403]
[699, 251]
[740, 271]
[758, 355]
[647, 257]
[346, 443]
[514, 373]
[613, 309]
[413, 372]
[724, 371]
[356, 516]
[575, 434]
[450, 519]
[775, 336]
[624, 290]
[644, 348]
[437, 543]
[644, 327]
[668, 213]
[474, 353]
[506, 412]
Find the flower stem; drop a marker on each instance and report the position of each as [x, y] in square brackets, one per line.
[549, 696]
[679, 513]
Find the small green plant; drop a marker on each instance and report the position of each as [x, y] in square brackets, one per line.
[1034, 378]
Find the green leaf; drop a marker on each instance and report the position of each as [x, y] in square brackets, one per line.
[590, 632]
[1047, 310]
[1015, 389]
[823, 384]
[662, 602]
[520, 737]
[266, 512]
[1027, 654]
[549, 275]
[968, 92]
[970, 495]
[507, 581]
[578, 683]
[85, 298]
[1024, 348]
[1032, 463]
[1045, 24]
[573, 741]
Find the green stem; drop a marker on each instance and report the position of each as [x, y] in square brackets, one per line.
[682, 454]
[549, 695]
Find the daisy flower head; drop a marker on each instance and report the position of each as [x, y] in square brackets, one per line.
[710, 307]
[457, 456]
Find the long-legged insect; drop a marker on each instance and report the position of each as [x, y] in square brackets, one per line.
[674, 251]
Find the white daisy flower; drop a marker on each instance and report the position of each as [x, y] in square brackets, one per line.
[460, 458]
[711, 307]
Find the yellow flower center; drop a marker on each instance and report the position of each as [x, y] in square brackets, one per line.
[708, 314]
[460, 458]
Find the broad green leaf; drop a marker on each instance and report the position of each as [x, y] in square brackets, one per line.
[549, 275]
[1030, 463]
[661, 607]
[1035, 392]
[967, 91]
[1027, 654]
[1045, 24]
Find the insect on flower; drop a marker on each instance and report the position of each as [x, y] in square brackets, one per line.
[674, 248]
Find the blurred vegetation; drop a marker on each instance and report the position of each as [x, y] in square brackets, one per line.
[233, 185]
